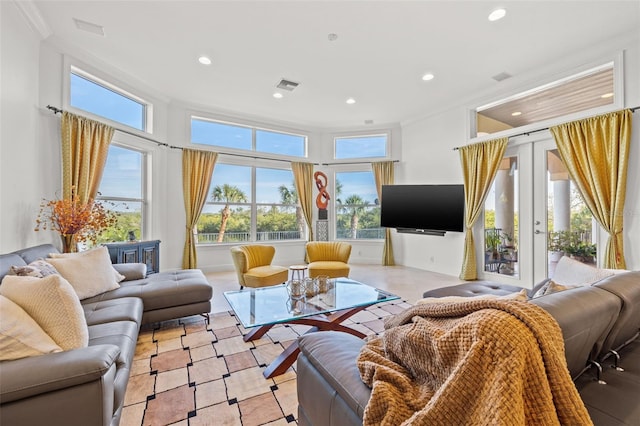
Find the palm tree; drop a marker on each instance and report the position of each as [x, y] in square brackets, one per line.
[228, 194]
[354, 205]
[289, 196]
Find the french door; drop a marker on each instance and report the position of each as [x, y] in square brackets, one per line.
[531, 213]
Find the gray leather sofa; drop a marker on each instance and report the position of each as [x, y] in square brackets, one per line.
[86, 386]
[600, 324]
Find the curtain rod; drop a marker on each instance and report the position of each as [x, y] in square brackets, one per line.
[59, 111]
[354, 162]
[545, 128]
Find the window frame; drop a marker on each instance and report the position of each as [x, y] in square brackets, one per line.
[145, 172]
[387, 148]
[334, 210]
[72, 66]
[229, 121]
[616, 59]
[252, 204]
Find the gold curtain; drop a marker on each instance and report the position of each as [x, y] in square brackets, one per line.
[596, 151]
[303, 178]
[85, 146]
[479, 167]
[383, 172]
[197, 170]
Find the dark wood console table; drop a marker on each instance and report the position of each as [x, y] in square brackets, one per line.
[147, 252]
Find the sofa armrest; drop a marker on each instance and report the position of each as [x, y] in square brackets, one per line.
[36, 375]
[131, 271]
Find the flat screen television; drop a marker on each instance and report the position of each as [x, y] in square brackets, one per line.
[423, 209]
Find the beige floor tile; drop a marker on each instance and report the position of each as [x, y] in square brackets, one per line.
[145, 335]
[363, 316]
[132, 414]
[221, 414]
[140, 366]
[259, 409]
[210, 393]
[200, 338]
[222, 320]
[265, 354]
[202, 352]
[171, 379]
[168, 333]
[231, 346]
[287, 397]
[184, 422]
[279, 422]
[226, 332]
[144, 350]
[240, 361]
[196, 326]
[170, 406]
[247, 383]
[281, 334]
[169, 345]
[138, 388]
[377, 326]
[170, 360]
[207, 370]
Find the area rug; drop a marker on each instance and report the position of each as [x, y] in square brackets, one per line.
[188, 372]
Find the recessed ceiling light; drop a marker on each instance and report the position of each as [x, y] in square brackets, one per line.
[332, 36]
[428, 76]
[204, 60]
[497, 14]
[607, 95]
[516, 113]
[351, 101]
[277, 95]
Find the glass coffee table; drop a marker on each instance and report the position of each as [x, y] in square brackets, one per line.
[262, 308]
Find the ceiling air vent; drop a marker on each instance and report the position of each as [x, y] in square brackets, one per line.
[501, 76]
[287, 85]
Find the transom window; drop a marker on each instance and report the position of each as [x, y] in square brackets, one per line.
[236, 136]
[93, 95]
[580, 92]
[361, 147]
[247, 203]
[122, 189]
[357, 206]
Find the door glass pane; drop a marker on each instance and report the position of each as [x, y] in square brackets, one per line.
[569, 221]
[501, 221]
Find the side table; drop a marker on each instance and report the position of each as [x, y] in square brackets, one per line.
[298, 272]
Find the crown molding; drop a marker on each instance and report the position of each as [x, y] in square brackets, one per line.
[31, 12]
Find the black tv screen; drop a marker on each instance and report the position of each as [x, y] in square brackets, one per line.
[423, 207]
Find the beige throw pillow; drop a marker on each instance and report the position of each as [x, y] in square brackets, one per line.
[53, 304]
[571, 272]
[90, 272]
[38, 268]
[20, 335]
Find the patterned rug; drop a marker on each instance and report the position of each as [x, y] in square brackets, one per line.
[188, 372]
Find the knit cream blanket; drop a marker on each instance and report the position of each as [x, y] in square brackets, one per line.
[481, 362]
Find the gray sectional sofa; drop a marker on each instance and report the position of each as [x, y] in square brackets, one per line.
[600, 326]
[86, 386]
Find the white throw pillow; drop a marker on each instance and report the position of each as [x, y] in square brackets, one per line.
[571, 272]
[521, 295]
[90, 272]
[53, 304]
[20, 335]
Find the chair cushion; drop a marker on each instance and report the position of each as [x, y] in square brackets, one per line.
[266, 275]
[332, 269]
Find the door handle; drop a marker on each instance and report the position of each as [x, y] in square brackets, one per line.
[537, 231]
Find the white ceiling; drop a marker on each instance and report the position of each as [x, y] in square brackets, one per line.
[383, 49]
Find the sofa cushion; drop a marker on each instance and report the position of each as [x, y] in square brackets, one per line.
[90, 273]
[131, 271]
[519, 295]
[53, 304]
[163, 290]
[122, 309]
[333, 269]
[20, 335]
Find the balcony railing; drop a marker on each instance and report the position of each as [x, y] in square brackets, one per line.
[362, 234]
[244, 237]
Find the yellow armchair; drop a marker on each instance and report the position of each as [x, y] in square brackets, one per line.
[328, 258]
[254, 268]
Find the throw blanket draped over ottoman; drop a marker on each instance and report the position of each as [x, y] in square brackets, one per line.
[489, 362]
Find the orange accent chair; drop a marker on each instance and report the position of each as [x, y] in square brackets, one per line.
[254, 268]
[328, 258]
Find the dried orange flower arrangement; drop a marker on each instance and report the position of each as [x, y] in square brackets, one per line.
[75, 221]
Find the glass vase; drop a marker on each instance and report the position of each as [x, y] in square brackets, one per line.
[69, 244]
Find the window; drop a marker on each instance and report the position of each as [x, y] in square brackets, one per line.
[215, 133]
[361, 147]
[97, 97]
[581, 92]
[251, 204]
[357, 206]
[122, 189]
